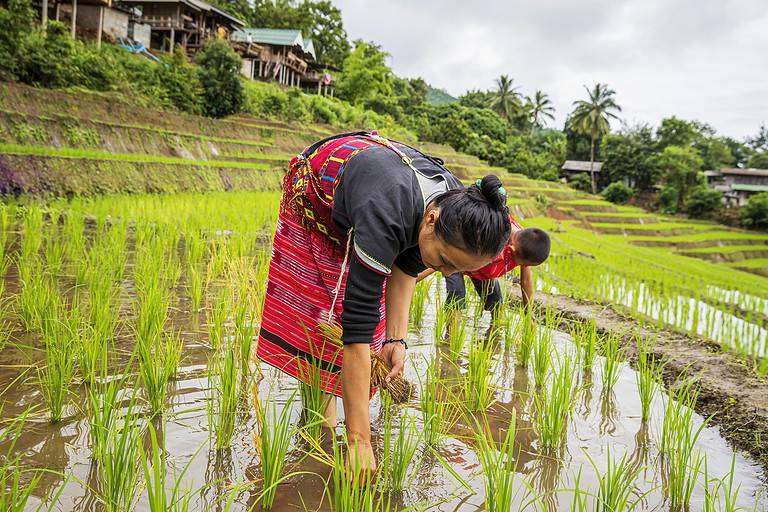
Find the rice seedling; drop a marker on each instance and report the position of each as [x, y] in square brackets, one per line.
[101, 325]
[554, 405]
[37, 295]
[586, 338]
[579, 502]
[276, 431]
[118, 463]
[442, 315]
[612, 364]
[729, 488]
[681, 460]
[103, 411]
[542, 356]
[155, 476]
[527, 338]
[648, 376]
[436, 411]
[400, 451]
[225, 391]
[616, 485]
[354, 490]
[478, 386]
[217, 320]
[32, 241]
[16, 487]
[314, 401]
[457, 332]
[60, 334]
[73, 231]
[53, 247]
[158, 363]
[5, 224]
[419, 301]
[499, 466]
[244, 320]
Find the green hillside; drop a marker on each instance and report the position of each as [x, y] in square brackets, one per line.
[439, 97]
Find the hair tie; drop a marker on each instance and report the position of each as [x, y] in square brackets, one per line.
[478, 182]
[503, 192]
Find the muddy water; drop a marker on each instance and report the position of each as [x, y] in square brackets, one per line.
[601, 422]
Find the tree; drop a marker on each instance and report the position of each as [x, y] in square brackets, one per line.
[506, 99]
[754, 214]
[681, 166]
[366, 74]
[760, 141]
[703, 202]
[593, 116]
[476, 98]
[759, 161]
[617, 193]
[540, 107]
[219, 75]
[629, 155]
[15, 23]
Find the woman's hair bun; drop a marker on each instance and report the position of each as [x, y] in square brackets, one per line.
[493, 191]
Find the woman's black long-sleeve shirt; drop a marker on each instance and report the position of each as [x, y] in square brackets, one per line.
[383, 200]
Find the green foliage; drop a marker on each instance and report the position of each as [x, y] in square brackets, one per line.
[759, 161]
[366, 75]
[681, 166]
[15, 23]
[617, 192]
[438, 96]
[703, 202]
[581, 182]
[754, 214]
[628, 155]
[219, 75]
[27, 133]
[80, 137]
[668, 199]
[679, 132]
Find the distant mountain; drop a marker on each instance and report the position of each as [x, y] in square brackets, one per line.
[439, 96]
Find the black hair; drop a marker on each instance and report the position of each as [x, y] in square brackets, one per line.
[475, 218]
[534, 245]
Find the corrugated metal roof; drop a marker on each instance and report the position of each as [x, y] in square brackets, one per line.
[309, 47]
[275, 36]
[200, 5]
[578, 165]
[749, 188]
[745, 172]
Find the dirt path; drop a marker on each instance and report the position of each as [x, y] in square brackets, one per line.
[730, 393]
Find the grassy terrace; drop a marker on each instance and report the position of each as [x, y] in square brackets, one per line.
[88, 154]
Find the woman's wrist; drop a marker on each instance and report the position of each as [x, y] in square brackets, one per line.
[398, 340]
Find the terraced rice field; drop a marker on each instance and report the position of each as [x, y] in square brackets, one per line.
[129, 306]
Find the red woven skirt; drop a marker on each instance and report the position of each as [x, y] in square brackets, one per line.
[303, 275]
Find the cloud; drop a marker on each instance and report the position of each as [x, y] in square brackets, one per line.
[697, 59]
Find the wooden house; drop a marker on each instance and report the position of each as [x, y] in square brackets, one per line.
[189, 23]
[280, 55]
[738, 184]
[87, 18]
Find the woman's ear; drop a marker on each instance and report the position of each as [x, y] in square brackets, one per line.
[430, 218]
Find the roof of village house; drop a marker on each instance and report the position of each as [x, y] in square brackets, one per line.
[199, 5]
[581, 166]
[749, 188]
[275, 37]
[745, 172]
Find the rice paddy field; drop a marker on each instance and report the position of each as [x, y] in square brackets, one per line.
[133, 264]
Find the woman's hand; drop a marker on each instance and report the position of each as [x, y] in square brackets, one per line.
[360, 459]
[393, 354]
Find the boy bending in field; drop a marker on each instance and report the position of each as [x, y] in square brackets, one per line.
[526, 248]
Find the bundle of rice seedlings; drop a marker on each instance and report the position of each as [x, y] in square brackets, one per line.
[400, 389]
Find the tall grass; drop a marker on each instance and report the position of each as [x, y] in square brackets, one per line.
[354, 490]
[457, 332]
[587, 339]
[554, 405]
[276, 432]
[527, 337]
[438, 414]
[543, 350]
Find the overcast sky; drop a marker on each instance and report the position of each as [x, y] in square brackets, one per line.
[697, 59]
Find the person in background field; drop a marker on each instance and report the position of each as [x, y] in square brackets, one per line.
[526, 248]
[360, 218]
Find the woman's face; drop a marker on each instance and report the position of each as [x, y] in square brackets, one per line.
[444, 258]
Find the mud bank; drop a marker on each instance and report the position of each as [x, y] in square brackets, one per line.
[734, 398]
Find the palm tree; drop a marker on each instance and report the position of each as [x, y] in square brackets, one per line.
[506, 99]
[592, 116]
[540, 107]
